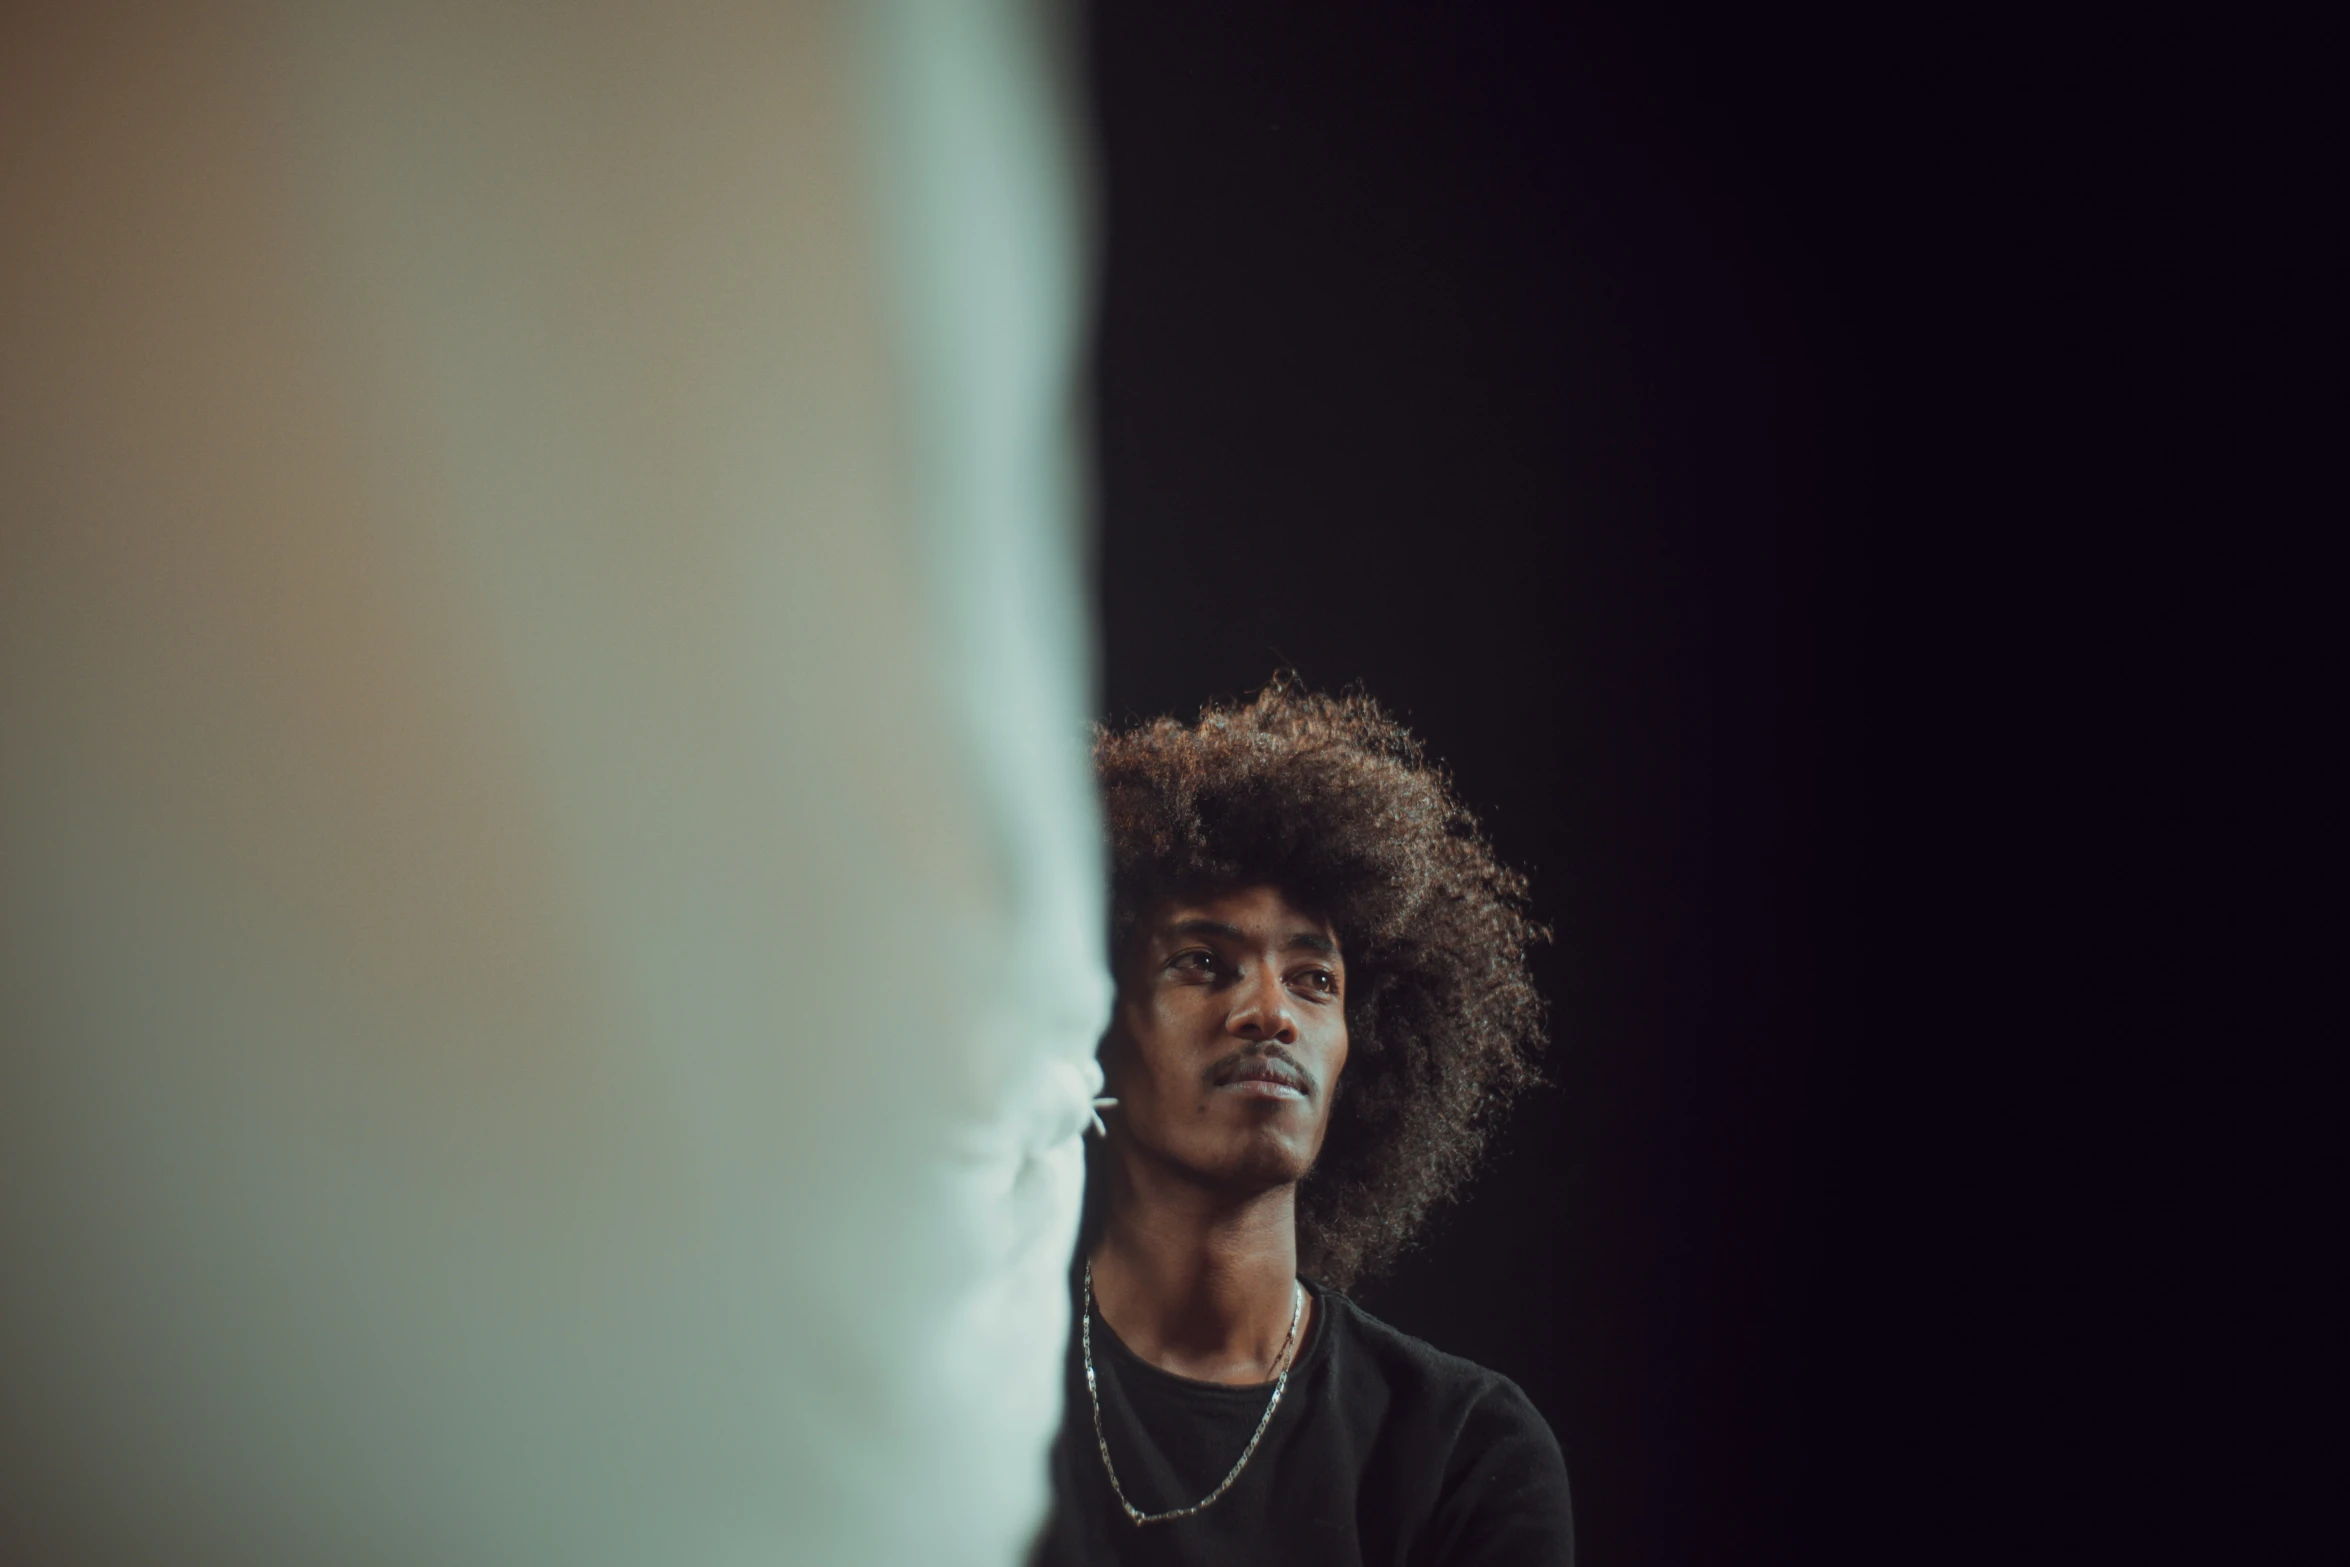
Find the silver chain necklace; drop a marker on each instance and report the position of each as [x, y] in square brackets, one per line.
[1297, 1301]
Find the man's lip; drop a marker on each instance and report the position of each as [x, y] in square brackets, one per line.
[1261, 1088]
[1262, 1069]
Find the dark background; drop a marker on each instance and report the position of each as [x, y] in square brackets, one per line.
[1645, 403]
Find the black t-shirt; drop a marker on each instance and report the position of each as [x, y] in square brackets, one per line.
[1384, 1451]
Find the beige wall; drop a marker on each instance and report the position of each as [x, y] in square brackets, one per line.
[542, 1003]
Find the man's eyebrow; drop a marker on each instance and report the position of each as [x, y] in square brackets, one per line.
[1300, 941]
[1201, 926]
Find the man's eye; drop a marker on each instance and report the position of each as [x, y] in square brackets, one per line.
[1322, 979]
[1193, 962]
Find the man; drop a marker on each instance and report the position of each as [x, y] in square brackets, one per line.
[1323, 1006]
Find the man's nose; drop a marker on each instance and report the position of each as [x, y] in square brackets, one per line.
[1260, 1010]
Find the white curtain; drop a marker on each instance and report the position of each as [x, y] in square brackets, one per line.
[549, 889]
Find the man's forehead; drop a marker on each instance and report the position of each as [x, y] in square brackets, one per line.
[1256, 915]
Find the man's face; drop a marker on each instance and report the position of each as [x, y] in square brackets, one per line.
[1229, 1036]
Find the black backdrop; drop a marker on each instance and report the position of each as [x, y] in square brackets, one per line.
[1624, 398]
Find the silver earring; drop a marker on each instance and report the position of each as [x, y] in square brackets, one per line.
[1099, 1105]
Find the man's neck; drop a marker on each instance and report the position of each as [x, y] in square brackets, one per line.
[1196, 1281]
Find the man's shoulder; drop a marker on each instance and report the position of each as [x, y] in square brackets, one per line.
[1501, 1493]
[1417, 1370]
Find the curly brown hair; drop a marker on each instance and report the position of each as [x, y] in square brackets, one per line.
[1336, 804]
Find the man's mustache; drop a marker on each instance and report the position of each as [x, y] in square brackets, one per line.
[1284, 1065]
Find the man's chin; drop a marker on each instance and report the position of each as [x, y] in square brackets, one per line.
[1258, 1164]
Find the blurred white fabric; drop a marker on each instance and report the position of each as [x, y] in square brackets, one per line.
[550, 910]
